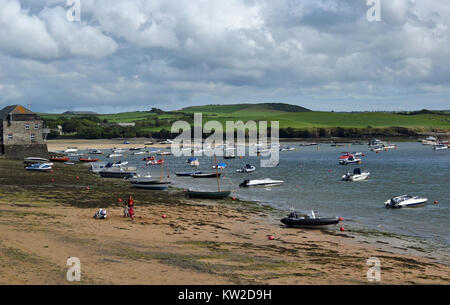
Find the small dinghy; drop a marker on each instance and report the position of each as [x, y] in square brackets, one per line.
[88, 160]
[155, 162]
[209, 175]
[39, 167]
[114, 155]
[405, 201]
[220, 166]
[349, 159]
[116, 172]
[31, 160]
[309, 221]
[356, 176]
[96, 152]
[193, 162]
[60, 159]
[207, 195]
[187, 174]
[262, 182]
[246, 169]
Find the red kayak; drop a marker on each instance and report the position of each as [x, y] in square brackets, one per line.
[60, 159]
[88, 160]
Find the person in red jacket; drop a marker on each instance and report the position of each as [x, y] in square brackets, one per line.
[130, 204]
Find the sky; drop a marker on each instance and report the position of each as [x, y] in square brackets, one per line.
[128, 55]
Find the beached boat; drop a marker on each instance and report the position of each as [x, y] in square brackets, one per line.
[261, 182]
[31, 160]
[193, 162]
[116, 172]
[149, 184]
[187, 174]
[114, 155]
[357, 175]
[39, 167]
[207, 195]
[149, 158]
[71, 150]
[96, 152]
[209, 175]
[405, 201]
[247, 169]
[309, 221]
[119, 164]
[164, 153]
[59, 159]
[220, 166]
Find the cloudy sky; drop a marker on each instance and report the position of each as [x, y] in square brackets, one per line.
[136, 54]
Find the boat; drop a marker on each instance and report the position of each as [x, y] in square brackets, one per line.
[286, 148]
[349, 159]
[149, 158]
[356, 176]
[187, 174]
[96, 168]
[207, 195]
[440, 146]
[155, 162]
[135, 148]
[119, 164]
[151, 184]
[220, 166]
[59, 159]
[164, 153]
[219, 194]
[114, 155]
[71, 150]
[116, 172]
[40, 167]
[210, 175]
[405, 201]
[31, 160]
[193, 162]
[376, 143]
[308, 221]
[261, 182]
[356, 154]
[96, 152]
[430, 141]
[247, 169]
[86, 160]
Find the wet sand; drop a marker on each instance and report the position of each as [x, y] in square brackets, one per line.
[43, 223]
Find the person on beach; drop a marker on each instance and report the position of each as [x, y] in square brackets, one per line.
[130, 206]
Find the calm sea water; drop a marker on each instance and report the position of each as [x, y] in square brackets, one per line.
[313, 182]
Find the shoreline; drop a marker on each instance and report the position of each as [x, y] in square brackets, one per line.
[200, 242]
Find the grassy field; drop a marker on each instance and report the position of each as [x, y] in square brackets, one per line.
[287, 115]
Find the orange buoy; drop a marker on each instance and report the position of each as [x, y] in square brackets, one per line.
[436, 202]
[271, 237]
[164, 216]
[234, 198]
[119, 200]
[341, 219]
[52, 180]
[342, 229]
[88, 188]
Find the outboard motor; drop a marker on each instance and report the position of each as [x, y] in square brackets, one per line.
[245, 183]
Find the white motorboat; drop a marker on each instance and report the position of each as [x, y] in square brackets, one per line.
[71, 150]
[247, 169]
[376, 143]
[114, 155]
[119, 164]
[430, 141]
[405, 201]
[349, 159]
[262, 182]
[31, 160]
[40, 167]
[96, 152]
[357, 175]
[440, 147]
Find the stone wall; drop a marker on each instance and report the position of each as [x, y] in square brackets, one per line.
[24, 151]
[21, 135]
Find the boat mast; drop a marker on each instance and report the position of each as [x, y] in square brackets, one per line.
[217, 172]
[162, 164]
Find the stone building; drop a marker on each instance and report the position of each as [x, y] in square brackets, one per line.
[22, 133]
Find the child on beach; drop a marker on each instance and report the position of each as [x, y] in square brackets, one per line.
[130, 208]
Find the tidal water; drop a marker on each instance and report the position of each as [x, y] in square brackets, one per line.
[312, 178]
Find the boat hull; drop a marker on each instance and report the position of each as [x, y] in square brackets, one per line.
[117, 175]
[309, 223]
[208, 195]
[206, 175]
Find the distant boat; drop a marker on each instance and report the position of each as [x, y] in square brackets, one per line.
[209, 175]
[134, 148]
[31, 160]
[261, 182]
[430, 141]
[88, 160]
[349, 159]
[220, 166]
[187, 174]
[96, 152]
[405, 201]
[71, 150]
[193, 162]
[155, 162]
[440, 147]
[114, 155]
[247, 169]
[150, 184]
[60, 159]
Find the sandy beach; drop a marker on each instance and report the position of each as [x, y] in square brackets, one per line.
[43, 223]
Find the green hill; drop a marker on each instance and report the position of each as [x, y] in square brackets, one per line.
[263, 107]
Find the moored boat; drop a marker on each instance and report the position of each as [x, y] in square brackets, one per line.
[87, 160]
[209, 175]
[405, 201]
[59, 159]
[357, 175]
[187, 174]
[39, 167]
[261, 182]
[116, 172]
[207, 195]
[247, 169]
